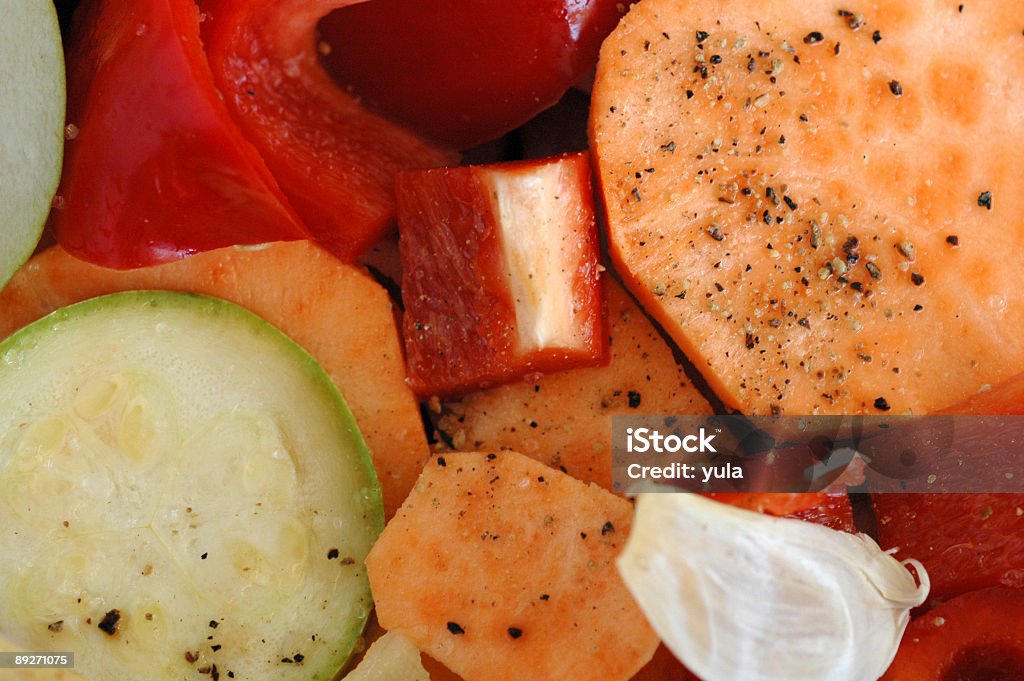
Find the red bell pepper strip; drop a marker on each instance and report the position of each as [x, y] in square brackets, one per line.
[154, 167]
[466, 71]
[334, 160]
[500, 273]
[965, 541]
[976, 637]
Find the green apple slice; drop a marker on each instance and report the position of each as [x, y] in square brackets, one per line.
[31, 125]
[183, 495]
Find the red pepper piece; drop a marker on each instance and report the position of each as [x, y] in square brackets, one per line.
[664, 667]
[830, 510]
[500, 273]
[977, 637]
[466, 71]
[334, 160]
[156, 169]
[1004, 398]
[965, 541]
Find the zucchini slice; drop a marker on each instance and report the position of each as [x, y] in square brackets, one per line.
[183, 495]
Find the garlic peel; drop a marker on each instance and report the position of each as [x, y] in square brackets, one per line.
[738, 595]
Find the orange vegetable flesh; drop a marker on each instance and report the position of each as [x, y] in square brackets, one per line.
[334, 311]
[823, 210]
[564, 419]
[504, 569]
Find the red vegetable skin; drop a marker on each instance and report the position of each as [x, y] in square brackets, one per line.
[333, 159]
[154, 168]
[830, 510]
[500, 273]
[975, 637]
[466, 71]
[1004, 398]
[965, 541]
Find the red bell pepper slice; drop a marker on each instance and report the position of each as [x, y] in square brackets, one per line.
[830, 510]
[466, 71]
[500, 273]
[965, 541]
[976, 637]
[156, 169]
[334, 160]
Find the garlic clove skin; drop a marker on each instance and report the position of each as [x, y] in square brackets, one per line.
[741, 596]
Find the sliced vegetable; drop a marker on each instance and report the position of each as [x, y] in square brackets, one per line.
[503, 569]
[563, 419]
[335, 161]
[155, 169]
[333, 310]
[830, 510]
[1004, 398]
[965, 541]
[664, 667]
[825, 221]
[438, 672]
[466, 71]
[501, 273]
[392, 657]
[836, 607]
[31, 126]
[196, 448]
[975, 636]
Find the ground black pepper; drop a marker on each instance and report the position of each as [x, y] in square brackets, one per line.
[108, 625]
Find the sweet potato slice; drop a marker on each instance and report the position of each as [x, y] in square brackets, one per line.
[563, 418]
[503, 569]
[335, 311]
[823, 208]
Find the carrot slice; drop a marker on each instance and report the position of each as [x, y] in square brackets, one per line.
[334, 311]
[563, 419]
[822, 208]
[504, 569]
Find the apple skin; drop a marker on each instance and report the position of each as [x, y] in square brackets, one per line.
[32, 102]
